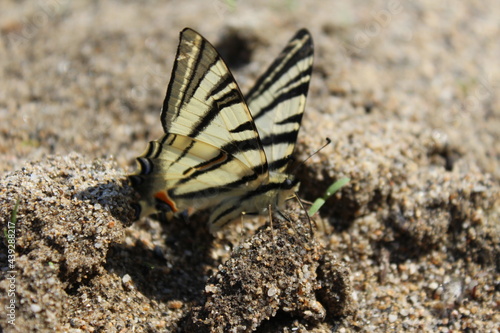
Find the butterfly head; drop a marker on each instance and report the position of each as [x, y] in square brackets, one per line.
[291, 183]
[286, 187]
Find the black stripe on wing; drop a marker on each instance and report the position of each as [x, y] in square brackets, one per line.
[277, 100]
[280, 163]
[214, 190]
[294, 118]
[188, 81]
[223, 83]
[208, 165]
[283, 97]
[246, 126]
[195, 77]
[251, 195]
[279, 68]
[230, 97]
[228, 153]
[285, 137]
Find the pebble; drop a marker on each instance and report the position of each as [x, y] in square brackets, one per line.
[126, 278]
[272, 291]
[36, 308]
[433, 285]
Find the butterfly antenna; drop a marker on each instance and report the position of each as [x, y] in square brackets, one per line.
[328, 141]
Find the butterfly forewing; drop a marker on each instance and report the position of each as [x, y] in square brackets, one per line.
[278, 99]
[277, 102]
[204, 102]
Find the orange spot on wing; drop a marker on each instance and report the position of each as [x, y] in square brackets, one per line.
[163, 196]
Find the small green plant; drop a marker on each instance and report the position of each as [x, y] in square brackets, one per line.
[319, 202]
[231, 4]
[13, 219]
[13, 216]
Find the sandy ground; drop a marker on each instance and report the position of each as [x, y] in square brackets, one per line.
[408, 93]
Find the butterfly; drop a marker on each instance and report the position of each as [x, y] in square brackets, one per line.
[221, 150]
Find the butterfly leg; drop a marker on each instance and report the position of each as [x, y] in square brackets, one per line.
[269, 209]
[308, 217]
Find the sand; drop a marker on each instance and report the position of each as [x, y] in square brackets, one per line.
[406, 91]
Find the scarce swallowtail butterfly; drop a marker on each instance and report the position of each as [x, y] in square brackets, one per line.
[220, 150]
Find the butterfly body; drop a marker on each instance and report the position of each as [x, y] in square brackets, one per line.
[219, 151]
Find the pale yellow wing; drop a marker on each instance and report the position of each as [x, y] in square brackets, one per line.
[211, 149]
[204, 102]
[278, 99]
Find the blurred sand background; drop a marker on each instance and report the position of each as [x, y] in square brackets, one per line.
[406, 90]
